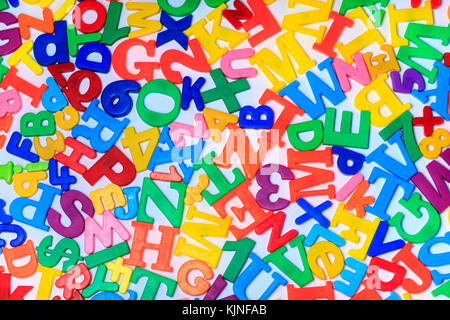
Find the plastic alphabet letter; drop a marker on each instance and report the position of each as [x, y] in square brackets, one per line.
[320, 91]
[59, 39]
[104, 121]
[249, 274]
[103, 233]
[42, 206]
[140, 244]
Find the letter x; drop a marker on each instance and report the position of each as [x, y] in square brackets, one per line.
[313, 212]
[174, 30]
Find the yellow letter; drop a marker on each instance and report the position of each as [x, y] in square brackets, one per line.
[117, 268]
[23, 54]
[321, 250]
[209, 40]
[396, 16]
[198, 231]
[385, 98]
[355, 224]
[106, 194]
[370, 36]
[296, 21]
[46, 282]
[73, 120]
[26, 184]
[283, 67]
[138, 19]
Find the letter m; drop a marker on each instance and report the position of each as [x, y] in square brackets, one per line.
[439, 197]
[267, 61]
[103, 233]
